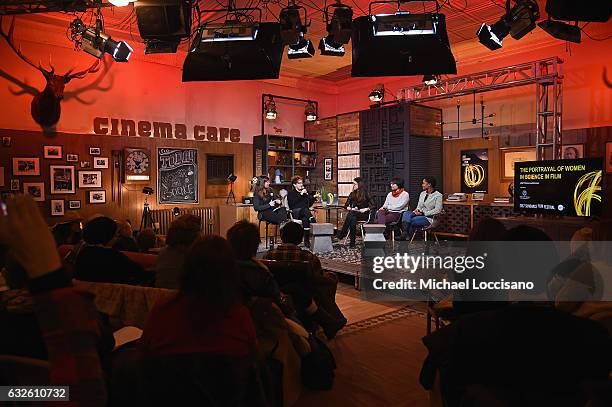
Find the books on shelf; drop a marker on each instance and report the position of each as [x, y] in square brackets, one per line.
[347, 175]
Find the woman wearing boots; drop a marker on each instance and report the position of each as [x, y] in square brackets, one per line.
[299, 202]
[266, 204]
[358, 207]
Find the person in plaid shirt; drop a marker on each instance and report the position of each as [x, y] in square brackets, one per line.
[324, 283]
[67, 319]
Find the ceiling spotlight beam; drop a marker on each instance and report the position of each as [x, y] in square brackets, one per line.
[267, 96]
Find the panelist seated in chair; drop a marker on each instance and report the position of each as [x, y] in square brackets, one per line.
[358, 207]
[268, 206]
[430, 205]
[396, 202]
[299, 201]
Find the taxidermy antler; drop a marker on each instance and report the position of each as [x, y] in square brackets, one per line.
[45, 108]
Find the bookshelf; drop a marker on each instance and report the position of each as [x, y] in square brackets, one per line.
[348, 165]
[290, 155]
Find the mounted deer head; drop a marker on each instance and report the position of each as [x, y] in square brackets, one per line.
[45, 107]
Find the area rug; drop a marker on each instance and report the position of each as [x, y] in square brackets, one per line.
[379, 360]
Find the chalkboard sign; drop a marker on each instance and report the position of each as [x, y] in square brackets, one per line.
[177, 175]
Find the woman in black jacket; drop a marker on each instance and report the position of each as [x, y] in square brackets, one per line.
[358, 207]
[266, 204]
[299, 202]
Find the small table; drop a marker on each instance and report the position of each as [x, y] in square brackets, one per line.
[321, 237]
[328, 210]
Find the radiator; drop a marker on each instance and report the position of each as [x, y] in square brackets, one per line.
[162, 218]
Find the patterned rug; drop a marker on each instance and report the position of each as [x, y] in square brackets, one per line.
[380, 319]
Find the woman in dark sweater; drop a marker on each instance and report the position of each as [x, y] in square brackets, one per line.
[358, 207]
[299, 201]
[266, 204]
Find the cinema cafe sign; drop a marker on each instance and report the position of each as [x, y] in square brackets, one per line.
[104, 126]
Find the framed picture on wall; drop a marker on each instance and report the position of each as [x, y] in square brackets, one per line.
[95, 151]
[14, 185]
[6, 141]
[74, 204]
[52, 152]
[72, 157]
[57, 207]
[608, 157]
[85, 164]
[97, 197]
[328, 169]
[90, 179]
[61, 179]
[572, 151]
[100, 162]
[26, 166]
[512, 155]
[177, 175]
[35, 189]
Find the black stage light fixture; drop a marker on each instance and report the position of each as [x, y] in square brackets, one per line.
[431, 80]
[522, 18]
[377, 94]
[339, 30]
[331, 49]
[161, 47]
[237, 52]
[571, 10]
[491, 36]
[303, 49]
[165, 22]
[291, 25]
[401, 44]
[561, 30]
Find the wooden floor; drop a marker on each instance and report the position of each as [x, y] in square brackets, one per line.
[356, 309]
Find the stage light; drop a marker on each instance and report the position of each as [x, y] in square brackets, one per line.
[522, 18]
[303, 49]
[291, 27]
[310, 112]
[270, 109]
[328, 49]
[401, 44]
[120, 3]
[403, 23]
[431, 80]
[561, 31]
[518, 21]
[163, 24]
[378, 93]
[230, 31]
[95, 42]
[161, 47]
[339, 30]
[491, 36]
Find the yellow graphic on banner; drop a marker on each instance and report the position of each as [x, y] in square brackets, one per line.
[473, 175]
[585, 191]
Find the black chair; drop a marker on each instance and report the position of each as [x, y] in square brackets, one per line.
[396, 225]
[267, 234]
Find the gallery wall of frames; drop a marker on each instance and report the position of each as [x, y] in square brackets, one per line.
[78, 175]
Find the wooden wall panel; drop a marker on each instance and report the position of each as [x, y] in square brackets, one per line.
[30, 144]
[425, 120]
[324, 131]
[348, 126]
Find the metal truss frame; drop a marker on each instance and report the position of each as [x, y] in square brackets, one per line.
[546, 74]
[14, 7]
